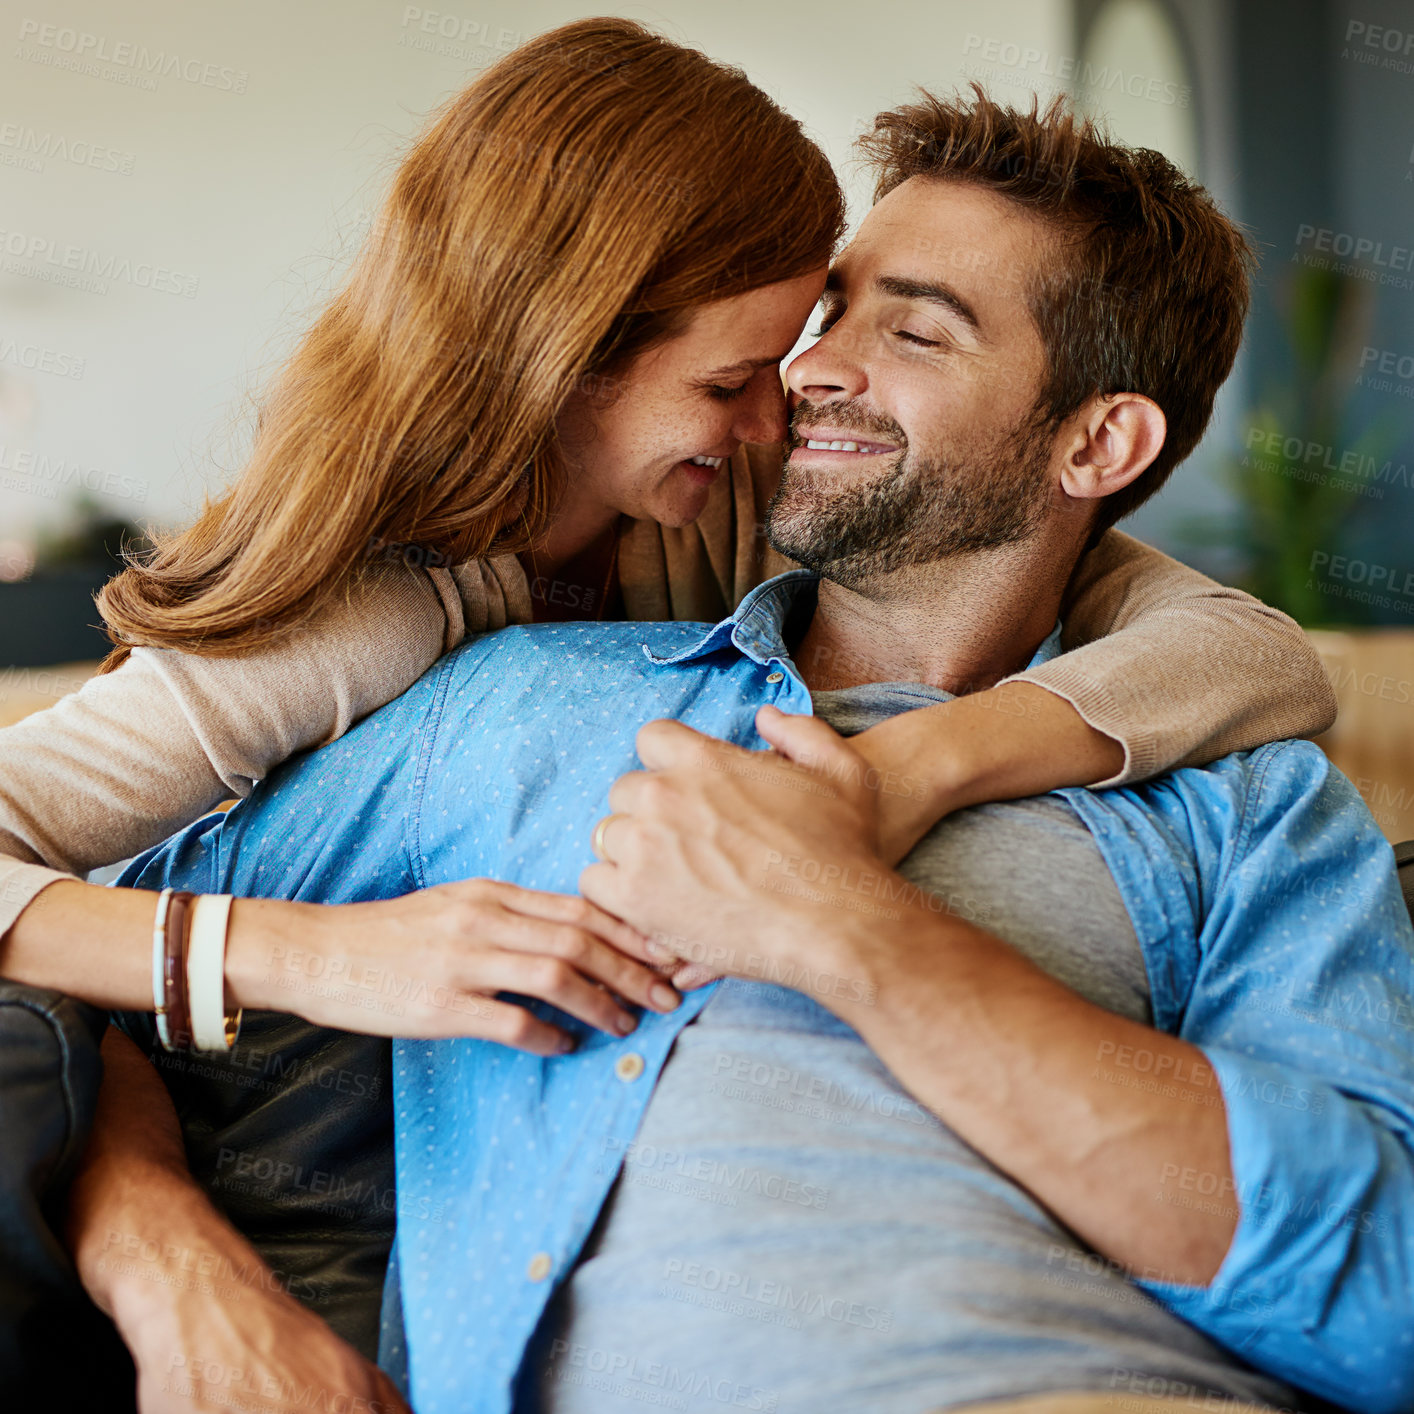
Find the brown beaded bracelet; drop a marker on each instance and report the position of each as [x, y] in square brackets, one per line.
[174, 972]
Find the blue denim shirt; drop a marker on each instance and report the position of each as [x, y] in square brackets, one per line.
[1263, 895]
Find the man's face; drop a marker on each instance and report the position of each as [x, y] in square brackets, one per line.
[928, 369]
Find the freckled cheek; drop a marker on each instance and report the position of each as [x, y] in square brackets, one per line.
[663, 434]
[693, 426]
[716, 427]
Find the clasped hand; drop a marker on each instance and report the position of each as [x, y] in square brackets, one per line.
[733, 859]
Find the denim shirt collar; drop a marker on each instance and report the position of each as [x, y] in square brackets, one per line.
[757, 628]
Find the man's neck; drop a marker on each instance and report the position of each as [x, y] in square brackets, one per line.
[960, 624]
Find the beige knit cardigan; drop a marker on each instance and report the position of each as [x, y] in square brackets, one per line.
[1178, 669]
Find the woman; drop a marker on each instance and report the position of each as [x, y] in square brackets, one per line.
[418, 475]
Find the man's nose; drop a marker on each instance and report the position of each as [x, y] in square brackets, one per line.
[832, 369]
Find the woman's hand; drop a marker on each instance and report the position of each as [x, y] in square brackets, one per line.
[430, 964]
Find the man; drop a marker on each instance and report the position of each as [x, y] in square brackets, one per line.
[1094, 1095]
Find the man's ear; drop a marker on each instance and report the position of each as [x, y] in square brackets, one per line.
[1114, 439]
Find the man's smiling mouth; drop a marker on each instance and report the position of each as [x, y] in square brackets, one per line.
[806, 437]
[867, 448]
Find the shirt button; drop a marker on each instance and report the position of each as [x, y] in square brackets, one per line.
[539, 1267]
[775, 677]
[629, 1067]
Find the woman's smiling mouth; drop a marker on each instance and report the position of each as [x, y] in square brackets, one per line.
[702, 469]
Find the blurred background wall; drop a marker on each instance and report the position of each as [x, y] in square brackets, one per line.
[180, 186]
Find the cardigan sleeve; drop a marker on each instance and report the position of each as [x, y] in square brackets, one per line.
[1178, 669]
[135, 754]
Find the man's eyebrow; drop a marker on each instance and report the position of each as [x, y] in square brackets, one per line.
[933, 292]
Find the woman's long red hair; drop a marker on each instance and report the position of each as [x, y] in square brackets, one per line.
[563, 213]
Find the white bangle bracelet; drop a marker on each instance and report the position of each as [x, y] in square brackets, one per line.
[212, 1027]
[159, 949]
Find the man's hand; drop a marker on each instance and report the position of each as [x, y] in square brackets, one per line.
[727, 857]
[757, 865]
[242, 1343]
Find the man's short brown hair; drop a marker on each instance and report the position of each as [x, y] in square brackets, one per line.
[1151, 289]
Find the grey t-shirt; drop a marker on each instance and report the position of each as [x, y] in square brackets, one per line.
[850, 1252]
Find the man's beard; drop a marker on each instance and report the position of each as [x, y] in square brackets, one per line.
[922, 509]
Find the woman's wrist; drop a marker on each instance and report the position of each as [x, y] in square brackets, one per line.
[269, 941]
[1017, 739]
[917, 775]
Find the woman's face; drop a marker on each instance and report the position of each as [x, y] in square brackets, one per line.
[653, 445]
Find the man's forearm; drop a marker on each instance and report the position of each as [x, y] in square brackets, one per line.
[1055, 1091]
[1021, 1067]
[209, 1324]
[142, 1231]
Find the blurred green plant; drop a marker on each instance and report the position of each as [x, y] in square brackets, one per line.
[1293, 497]
[91, 536]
